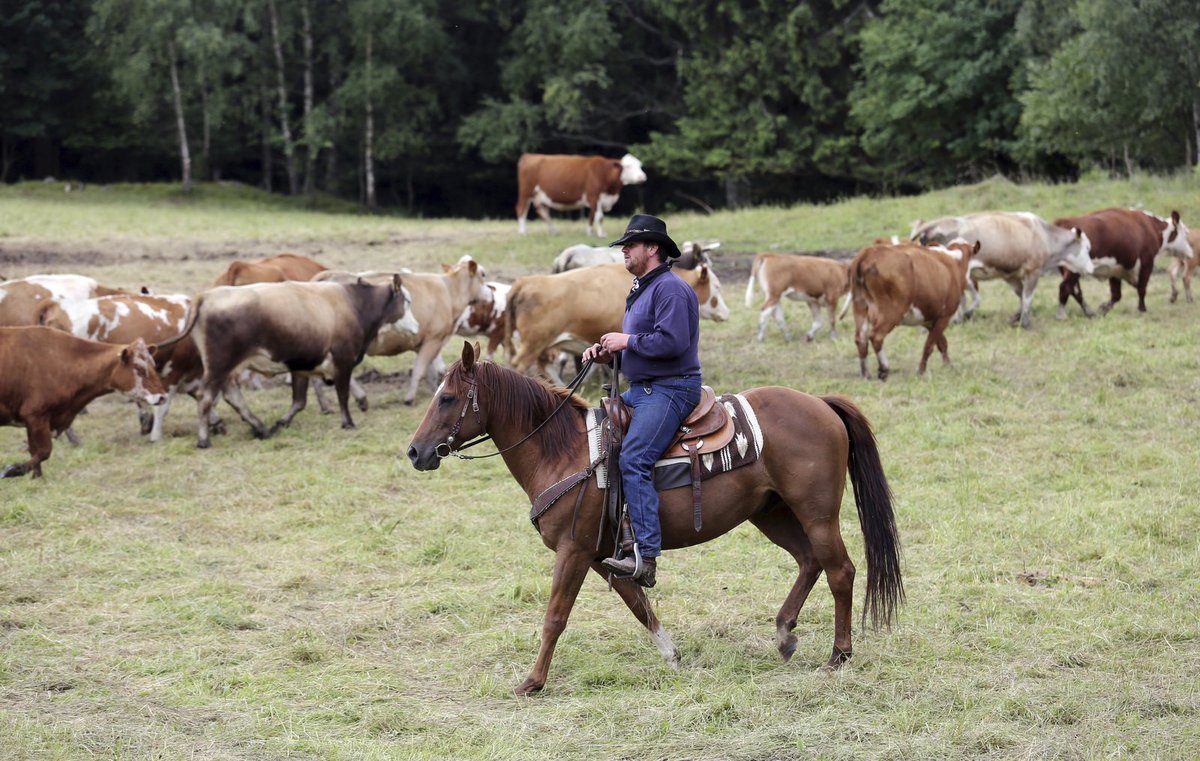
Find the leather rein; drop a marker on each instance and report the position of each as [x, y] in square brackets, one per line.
[445, 449]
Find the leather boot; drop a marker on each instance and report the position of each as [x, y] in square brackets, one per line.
[628, 567]
[625, 543]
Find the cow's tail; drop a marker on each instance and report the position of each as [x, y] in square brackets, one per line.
[873, 498]
[845, 306]
[754, 268]
[189, 323]
[510, 321]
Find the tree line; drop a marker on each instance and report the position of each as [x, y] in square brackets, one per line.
[425, 106]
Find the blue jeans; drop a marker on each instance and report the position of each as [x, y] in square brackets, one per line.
[659, 407]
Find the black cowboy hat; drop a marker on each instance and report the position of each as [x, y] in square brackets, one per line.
[651, 229]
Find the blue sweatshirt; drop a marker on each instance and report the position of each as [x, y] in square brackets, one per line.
[664, 331]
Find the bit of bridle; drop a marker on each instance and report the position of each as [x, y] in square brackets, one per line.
[446, 448]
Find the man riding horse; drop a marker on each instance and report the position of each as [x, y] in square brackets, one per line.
[657, 350]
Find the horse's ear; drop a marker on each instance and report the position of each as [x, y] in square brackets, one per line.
[468, 356]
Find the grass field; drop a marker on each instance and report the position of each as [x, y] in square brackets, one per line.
[312, 596]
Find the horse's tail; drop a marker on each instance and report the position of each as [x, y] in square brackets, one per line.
[873, 497]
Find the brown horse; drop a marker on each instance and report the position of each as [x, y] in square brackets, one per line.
[792, 493]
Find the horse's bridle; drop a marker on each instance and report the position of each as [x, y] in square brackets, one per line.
[472, 401]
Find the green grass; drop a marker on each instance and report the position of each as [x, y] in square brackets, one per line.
[312, 596]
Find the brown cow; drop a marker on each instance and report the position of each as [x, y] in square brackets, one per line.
[125, 318]
[1124, 244]
[437, 301]
[906, 284]
[815, 280]
[1188, 266]
[306, 329]
[271, 269]
[571, 310]
[47, 377]
[573, 182]
[20, 299]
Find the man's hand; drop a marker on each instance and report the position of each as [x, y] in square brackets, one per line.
[614, 342]
[598, 353]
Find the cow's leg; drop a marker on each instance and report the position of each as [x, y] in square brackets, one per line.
[885, 367]
[1188, 271]
[73, 438]
[40, 438]
[973, 289]
[815, 308]
[777, 313]
[360, 394]
[1024, 292]
[1114, 295]
[935, 338]
[570, 569]
[318, 387]
[634, 597]
[1143, 282]
[1070, 286]
[233, 397]
[597, 218]
[425, 358]
[832, 316]
[341, 384]
[160, 414]
[1173, 271]
[544, 213]
[145, 415]
[299, 402]
[862, 330]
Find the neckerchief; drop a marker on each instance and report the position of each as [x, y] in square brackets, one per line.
[640, 283]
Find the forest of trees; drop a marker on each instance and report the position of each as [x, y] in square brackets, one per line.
[425, 106]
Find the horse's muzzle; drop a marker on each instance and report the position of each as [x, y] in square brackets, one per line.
[425, 458]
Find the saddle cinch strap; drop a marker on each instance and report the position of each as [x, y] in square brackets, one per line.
[706, 429]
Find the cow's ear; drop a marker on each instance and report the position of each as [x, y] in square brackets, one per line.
[126, 355]
[703, 275]
[153, 349]
[472, 266]
[1175, 218]
[468, 356]
[445, 268]
[397, 283]
[975, 249]
[1078, 232]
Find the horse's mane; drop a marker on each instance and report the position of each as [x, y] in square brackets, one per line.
[531, 402]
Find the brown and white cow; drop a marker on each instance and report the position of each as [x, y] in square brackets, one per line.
[1124, 244]
[906, 284]
[815, 280]
[571, 310]
[486, 319]
[125, 318]
[437, 301]
[20, 299]
[270, 269]
[1016, 247]
[47, 377]
[305, 329]
[573, 182]
[1187, 266]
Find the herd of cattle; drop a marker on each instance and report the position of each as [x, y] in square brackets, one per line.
[66, 339]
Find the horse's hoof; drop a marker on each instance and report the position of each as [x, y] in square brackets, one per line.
[836, 660]
[12, 471]
[787, 648]
[528, 687]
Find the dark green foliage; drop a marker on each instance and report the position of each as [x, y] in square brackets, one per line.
[727, 103]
